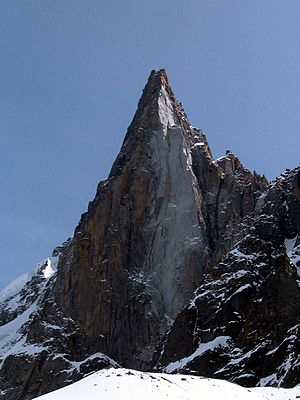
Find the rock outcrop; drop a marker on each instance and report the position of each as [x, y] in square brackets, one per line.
[243, 322]
[170, 224]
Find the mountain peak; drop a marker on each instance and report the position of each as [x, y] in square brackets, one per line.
[157, 111]
[148, 106]
[158, 81]
[160, 74]
[172, 242]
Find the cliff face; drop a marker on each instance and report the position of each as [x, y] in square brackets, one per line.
[141, 250]
[243, 322]
[169, 220]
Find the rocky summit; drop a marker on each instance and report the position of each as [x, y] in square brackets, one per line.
[182, 263]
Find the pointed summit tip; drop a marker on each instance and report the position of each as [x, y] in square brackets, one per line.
[158, 79]
[156, 101]
[148, 103]
[160, 75]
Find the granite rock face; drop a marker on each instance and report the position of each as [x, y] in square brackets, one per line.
[243, 322]
[170, 224]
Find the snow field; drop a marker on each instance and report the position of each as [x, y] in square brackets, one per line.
[124, 384]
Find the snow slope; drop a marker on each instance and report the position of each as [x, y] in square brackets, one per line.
[124, 384]
[47, 268]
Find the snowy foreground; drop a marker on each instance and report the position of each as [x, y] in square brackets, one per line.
[124, 384]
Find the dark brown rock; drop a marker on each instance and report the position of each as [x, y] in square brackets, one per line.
[251, 298]
[169, 220]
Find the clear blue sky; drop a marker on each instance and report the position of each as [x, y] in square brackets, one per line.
[72, 71]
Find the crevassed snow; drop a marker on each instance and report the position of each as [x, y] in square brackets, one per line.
[122, 384]
[219, 341]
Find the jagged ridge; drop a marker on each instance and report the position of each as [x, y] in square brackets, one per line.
[168, 220]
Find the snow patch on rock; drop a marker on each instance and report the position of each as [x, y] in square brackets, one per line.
[220, 341]
[47, 267]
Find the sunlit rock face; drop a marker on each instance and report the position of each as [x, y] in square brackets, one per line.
[170, 224]
[165, 213]
[243, 322]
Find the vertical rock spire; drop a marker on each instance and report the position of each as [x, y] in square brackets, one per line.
[142, 248]
[165, 216]
[157, 108]
[144, 231]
